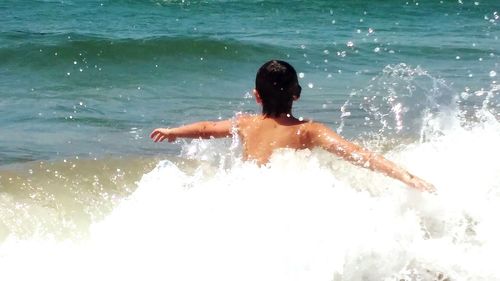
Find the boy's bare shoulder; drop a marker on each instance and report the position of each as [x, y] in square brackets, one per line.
[313, 126]
[245, 119]
[318, 131]
[244, 116]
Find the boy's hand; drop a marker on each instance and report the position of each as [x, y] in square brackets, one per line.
[421, 185]
[160, 134]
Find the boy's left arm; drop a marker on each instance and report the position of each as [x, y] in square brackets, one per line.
[324, 137]
[204, 129]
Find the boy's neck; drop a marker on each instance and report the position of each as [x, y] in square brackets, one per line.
[282, 118]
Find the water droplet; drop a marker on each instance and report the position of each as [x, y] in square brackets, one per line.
[457, 57]
[493, 73]
[350, 44]
[310, 85]
[333, 21]
[301, 75]
[376, 50]
[68, 73]
[75, 62]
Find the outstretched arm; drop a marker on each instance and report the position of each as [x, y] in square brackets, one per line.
[205, 130]
[324, 137]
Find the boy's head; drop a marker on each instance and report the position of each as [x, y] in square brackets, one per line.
[277, 87]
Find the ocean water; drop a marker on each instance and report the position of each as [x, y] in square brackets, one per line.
[84, 193]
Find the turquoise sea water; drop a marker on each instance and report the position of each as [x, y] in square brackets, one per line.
[94, 77]
[83, 83]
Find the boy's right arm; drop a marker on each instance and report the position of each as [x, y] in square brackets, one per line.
[205, 130]
[324, 137]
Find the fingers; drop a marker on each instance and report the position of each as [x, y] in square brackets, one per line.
[160, 138]
[161, 134]
[430, 188]
[158, 135]
[424, 186]
[155, 133]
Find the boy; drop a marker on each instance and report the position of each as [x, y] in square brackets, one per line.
[276, 88]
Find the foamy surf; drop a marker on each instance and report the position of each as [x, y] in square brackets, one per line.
[306, 216]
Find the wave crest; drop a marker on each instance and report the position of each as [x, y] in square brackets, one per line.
[40, 48]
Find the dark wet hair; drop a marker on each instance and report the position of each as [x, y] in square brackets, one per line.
[277, 84]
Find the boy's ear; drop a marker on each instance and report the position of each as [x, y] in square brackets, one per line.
[297, 95]
[258, 99]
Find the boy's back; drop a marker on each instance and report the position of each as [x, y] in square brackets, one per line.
[262, 135]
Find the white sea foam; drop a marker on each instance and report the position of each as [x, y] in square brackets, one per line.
[306, 216]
